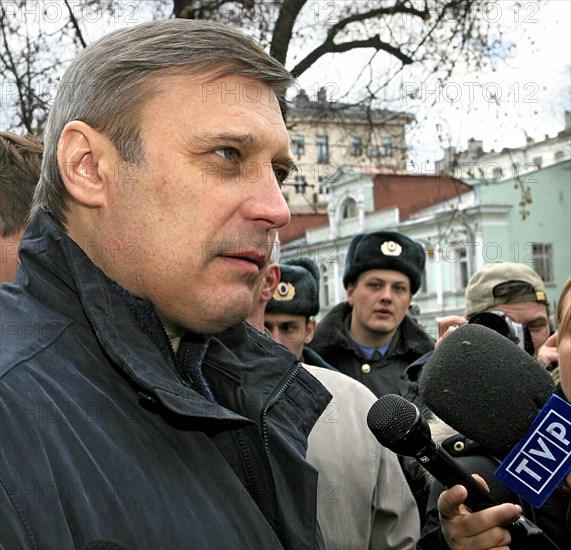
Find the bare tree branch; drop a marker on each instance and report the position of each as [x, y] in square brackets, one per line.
[283, 29]
[331, 47]
[75, 25]
[433, 35]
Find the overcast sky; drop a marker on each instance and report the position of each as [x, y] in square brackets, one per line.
[533, 87]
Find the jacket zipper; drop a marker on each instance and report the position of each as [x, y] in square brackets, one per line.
[250, 472]
[273, 399]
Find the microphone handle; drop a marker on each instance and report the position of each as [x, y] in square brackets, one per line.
[449, 472]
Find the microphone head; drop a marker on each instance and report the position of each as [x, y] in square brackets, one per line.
[485, 387]
[398, 425]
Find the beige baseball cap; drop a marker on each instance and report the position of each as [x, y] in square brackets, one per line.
[503, 283]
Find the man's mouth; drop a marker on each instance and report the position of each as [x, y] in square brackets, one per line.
[383, 312]
[251, 256]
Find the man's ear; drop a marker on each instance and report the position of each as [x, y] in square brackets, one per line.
[310, 330]
[350, 290]
[271, 281]
[87, 160]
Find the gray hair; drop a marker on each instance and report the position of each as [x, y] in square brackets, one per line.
[108, 84]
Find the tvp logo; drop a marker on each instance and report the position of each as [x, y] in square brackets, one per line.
[538, 463]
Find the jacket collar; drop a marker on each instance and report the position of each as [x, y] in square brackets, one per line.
[331, 335]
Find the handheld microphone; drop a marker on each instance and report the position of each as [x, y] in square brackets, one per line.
[485, 387]
[398, 425]
[490, 390]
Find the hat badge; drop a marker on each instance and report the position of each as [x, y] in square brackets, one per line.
[284, 292]
[391, 248]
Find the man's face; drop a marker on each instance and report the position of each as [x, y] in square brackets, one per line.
[193, 226]
[292, 331]
[531, 314]
[380, 300]
[9, 260]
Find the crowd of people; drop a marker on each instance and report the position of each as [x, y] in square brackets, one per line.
[165, 382]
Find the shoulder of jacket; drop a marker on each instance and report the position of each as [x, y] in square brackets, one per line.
[24, 337]
[329, 334]
[415, 337]
[343, 386]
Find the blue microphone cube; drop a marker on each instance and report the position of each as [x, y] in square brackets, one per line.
[540, 461]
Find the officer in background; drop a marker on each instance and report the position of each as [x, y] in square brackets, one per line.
[370, 337]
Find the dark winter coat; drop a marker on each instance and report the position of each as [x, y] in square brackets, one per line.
[383, 376]
[103, 443]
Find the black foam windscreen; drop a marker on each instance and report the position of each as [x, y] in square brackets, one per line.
[391, 418]
[485, 387]
[398, 425]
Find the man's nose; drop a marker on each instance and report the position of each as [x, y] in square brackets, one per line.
[267, 202]
[386, 295]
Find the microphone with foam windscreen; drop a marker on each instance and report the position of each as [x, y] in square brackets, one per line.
[491, 391]
[398, 425]
[485, 387]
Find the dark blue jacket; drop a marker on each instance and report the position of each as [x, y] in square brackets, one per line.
[103, 441]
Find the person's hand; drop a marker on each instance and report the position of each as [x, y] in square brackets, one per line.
[548, 352]
[483, 530]
[448, 324]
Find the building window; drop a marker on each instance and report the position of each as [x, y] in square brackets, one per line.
[559, 155]
[298, 145]
[497, 173]
[322, 146]
[538, 161]
[349, 209]
[324, 275]
[387, 147]
[323, 185]
[374, 152]
[424, 283]
[356, 149]
[300, 184]
[543, 261]
[458, 255]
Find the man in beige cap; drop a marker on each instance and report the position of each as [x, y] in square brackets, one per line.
[517, 291]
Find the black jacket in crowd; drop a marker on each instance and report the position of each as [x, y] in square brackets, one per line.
[387, 375]
[106, 442]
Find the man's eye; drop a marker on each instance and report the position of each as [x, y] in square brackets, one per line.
[281, 174]
[228, 153]
[536, 326]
